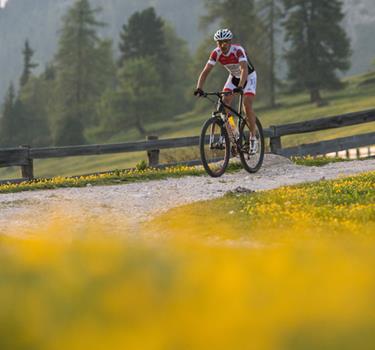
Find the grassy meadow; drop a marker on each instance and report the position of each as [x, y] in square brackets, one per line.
[356, 95]
[114, 178]
[290, 268]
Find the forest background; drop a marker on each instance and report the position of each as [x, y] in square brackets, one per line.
[137, 61]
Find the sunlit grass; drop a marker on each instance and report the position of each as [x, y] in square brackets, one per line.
[140, 173]
[292, 108]
[286, 269]
[116, 177]
[119, 294]
[302, 211]
[317, 161]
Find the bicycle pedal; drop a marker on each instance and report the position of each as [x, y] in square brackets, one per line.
[234, 151]
[245, 148]
[218, 146]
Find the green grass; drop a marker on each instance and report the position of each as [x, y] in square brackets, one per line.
[291, 268]
[357, 95]
[110, 178]
[329, 209]
[318, 161]
[140, 173]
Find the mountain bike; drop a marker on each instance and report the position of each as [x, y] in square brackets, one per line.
[219, 140]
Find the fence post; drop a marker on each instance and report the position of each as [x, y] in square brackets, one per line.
[27, 169]
[275, 141]
[153, 155]
[358, 153]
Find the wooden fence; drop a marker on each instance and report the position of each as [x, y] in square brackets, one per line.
[25, 155]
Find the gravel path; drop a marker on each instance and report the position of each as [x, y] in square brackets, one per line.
[123, 205]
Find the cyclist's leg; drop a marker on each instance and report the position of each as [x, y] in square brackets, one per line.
[229, 86]
[248, 101]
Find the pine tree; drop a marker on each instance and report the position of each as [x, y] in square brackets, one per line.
[271, 13]
[6, 121]
[143, 37]
[240, 16]
[318, 45]
[28, 53]
[139, 96]
[84, 68]
[13, 129]
[179, 80]
[36, 98]
[49, 72]
[146, 38]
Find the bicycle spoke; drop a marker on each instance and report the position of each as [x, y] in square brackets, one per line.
[215, 143]
[251, 155]
[214, 146]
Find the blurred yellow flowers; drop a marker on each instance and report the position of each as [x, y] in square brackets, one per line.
[308, 284]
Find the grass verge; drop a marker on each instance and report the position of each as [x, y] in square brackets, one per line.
[324, 208]
[318, 161]
[112, 178]
[322, 160]
[355, 96]
[195, 279]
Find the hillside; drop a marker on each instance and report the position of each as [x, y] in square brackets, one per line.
[357, 95]
[39, 21]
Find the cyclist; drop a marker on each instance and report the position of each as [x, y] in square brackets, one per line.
[242, 77]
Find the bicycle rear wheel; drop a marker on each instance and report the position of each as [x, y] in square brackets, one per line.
[251, 162]
[214, 147]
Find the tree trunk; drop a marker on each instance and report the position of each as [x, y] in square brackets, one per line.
[272, 55]
[315, 96]
[139, 126]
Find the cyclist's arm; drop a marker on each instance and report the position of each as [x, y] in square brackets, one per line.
[244, 74]
[203, 76]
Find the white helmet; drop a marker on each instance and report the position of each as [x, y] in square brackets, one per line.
[223, 34]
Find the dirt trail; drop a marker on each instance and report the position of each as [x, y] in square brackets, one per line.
[132, 204]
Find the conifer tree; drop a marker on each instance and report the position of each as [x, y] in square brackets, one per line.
[240, 16]
[139, 95]
[143, 37]
[318, 45]
[6, 120]
[84, 68]
[179, 79]
[28, 65]
[13, 130]
[36, 98]
[270, 13]
[147, 39]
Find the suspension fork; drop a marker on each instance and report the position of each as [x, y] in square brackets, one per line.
[212, 131]
[221, 123]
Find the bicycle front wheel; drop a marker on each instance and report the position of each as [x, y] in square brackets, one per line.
[251, 159]
[214, 147]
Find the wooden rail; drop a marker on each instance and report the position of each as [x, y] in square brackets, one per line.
[323, 147]
[24, 155]
[317, 125]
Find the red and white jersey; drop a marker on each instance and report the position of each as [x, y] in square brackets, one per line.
[231, 61]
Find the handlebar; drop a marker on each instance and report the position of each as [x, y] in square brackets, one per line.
[218, 94]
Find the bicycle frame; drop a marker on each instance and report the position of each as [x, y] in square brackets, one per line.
[233, 142]
[221, 105]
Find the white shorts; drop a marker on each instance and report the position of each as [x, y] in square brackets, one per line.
[249, 89]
